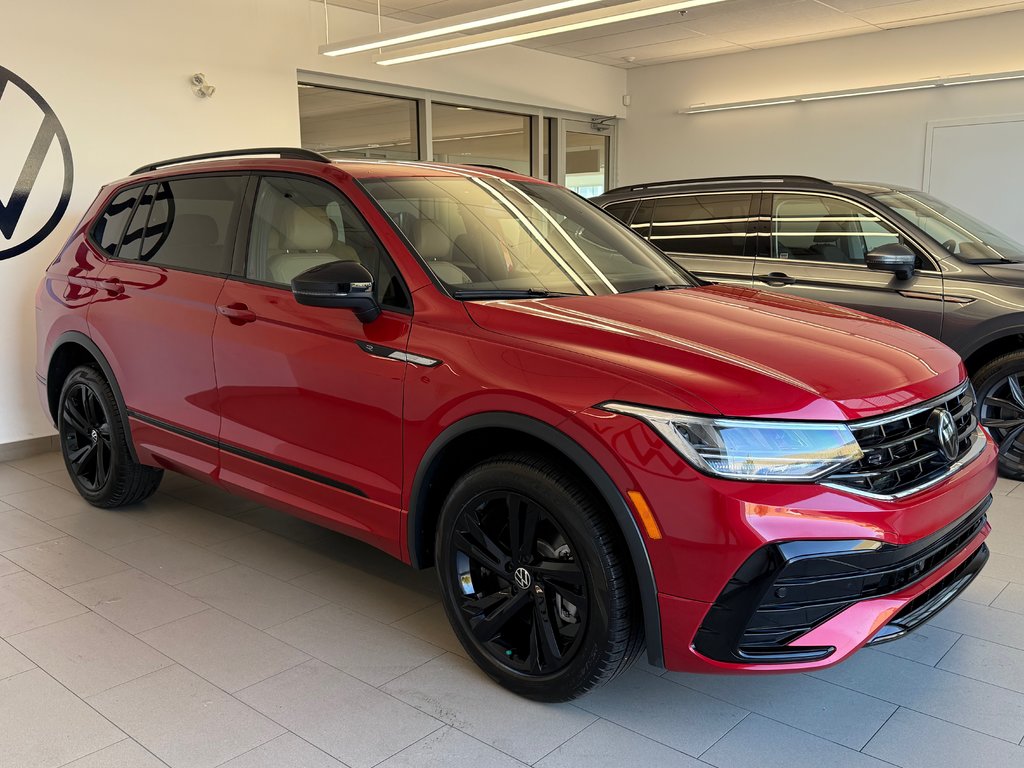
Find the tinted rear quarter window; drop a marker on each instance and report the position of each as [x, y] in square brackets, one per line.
[622, 211]
[708, 225]
[111, 223]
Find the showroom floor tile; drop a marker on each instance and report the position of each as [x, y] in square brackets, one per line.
[200, 631]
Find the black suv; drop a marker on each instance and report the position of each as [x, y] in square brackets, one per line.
[887, 250]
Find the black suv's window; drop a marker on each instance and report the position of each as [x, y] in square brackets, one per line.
[186, 223]
[711, 225]
[110, 225]
[300, 224]
[622, 211]
[827, 229]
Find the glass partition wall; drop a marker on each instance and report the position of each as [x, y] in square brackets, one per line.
[344, 122]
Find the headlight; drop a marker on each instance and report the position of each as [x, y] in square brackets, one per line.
[747, 449]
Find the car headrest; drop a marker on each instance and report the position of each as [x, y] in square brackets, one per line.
[430, 242]
[304, 229]
[195, 229]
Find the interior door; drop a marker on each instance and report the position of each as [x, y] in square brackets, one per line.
[814, 245]
[156, 317]
[588, 157]
[311, 403]
[712, 235]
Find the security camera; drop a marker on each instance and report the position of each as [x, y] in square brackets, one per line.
[200, 87]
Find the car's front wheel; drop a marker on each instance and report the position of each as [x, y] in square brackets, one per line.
[534, 580]
[1000, 387]
[95, 446]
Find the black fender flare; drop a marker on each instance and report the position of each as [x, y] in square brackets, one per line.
[79, 338]
[585, 463]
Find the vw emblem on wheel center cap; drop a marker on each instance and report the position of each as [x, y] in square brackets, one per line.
[522, 578]
[943, 426]
[95, 436]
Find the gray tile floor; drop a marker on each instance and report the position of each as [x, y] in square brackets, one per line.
[199, 630]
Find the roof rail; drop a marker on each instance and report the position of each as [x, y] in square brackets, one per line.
[487, 167]
[761, 179]
[289, 153]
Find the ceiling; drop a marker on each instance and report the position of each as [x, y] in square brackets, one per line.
[727, 27]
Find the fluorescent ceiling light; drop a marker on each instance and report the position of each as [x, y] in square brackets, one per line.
[462, 23]
[972, 81]
[520, 33]
[868, 93]
[696, 109]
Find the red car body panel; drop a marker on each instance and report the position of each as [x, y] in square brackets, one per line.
[283, 406]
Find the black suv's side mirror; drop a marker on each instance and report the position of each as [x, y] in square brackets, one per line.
[893, 257]
[345, 284]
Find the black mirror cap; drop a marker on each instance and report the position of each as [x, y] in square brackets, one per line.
[893, 257]
[338, 284]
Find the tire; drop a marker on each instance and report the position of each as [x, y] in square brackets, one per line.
[95, 446]
[1000, 387]
[546, 607]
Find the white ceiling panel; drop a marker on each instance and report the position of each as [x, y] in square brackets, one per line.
[711, 30]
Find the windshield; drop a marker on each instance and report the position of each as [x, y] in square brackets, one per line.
[960, 234]
[487, 237]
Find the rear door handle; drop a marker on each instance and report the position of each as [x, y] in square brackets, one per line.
[237, 313]
[776, 278]
[112, 285]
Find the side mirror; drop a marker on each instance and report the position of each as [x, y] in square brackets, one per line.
[345, 284]
[893, 257]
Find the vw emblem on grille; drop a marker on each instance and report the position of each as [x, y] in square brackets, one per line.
[522, 577]
[943, 426]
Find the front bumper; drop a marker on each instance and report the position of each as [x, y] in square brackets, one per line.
[728, 546]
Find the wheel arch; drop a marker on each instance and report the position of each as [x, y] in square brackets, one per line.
[995, 345]
[74, 348]
[458, 448]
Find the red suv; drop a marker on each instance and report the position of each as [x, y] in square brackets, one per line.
[480, 371]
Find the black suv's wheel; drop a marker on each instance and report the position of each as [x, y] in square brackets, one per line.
[1000, 387]
[95, 446]
[533, 580]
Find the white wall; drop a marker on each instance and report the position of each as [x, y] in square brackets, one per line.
[115, 71]
[877, 138]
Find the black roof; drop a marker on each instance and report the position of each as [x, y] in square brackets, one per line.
[781, 181]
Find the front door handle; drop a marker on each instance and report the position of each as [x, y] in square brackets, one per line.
[111, 285]
[237, 313]
[776, 278]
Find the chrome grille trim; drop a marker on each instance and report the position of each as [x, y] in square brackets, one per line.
[899, 458]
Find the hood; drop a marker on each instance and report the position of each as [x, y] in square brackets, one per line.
[741, 351]
[1011, 273]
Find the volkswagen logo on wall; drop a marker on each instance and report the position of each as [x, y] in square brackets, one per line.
[36, 170]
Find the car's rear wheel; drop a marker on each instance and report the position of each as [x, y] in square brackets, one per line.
[534, 581]
[1000, 387]
[95, 446]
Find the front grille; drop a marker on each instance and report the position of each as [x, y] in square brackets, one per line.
[901, 450]
[785, 590]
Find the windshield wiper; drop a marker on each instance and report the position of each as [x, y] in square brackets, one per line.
[657, 287]
[479, 294]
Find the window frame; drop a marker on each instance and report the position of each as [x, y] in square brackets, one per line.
[231, 240]
[764, 250]
[245, 227]
[91, 234]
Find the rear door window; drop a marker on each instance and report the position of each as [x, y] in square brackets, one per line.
[186, 223]
[704, 225]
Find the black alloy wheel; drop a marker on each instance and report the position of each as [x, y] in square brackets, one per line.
[1000, 386]
[95, 445]
[87, 436]
[534, 580]
[521, 590]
